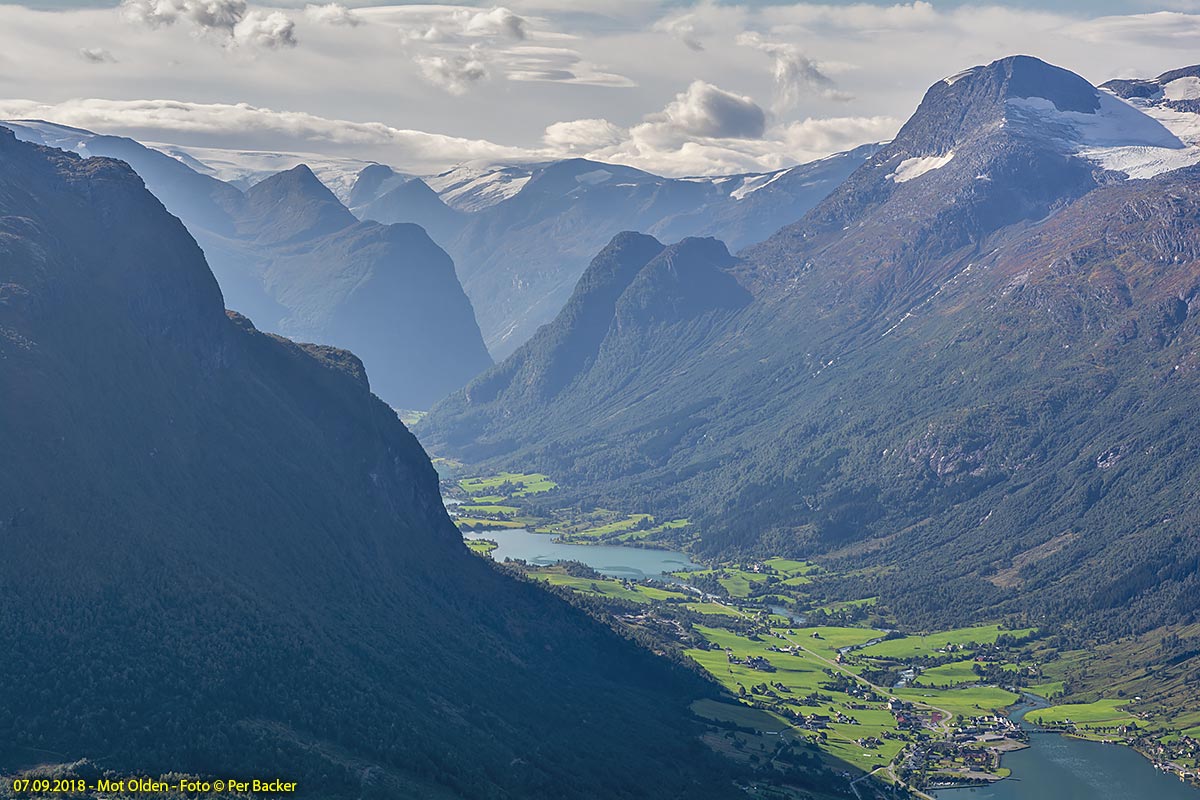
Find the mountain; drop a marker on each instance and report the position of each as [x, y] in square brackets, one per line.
[289, 255]
[381, 194]
[244, 168]
[522, 235]
[968, 374]
[225, 556]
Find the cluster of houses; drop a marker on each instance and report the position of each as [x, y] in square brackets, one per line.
[753, 662]
[990, 724]
[1168, 757]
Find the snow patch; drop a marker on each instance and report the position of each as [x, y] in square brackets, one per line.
[1182, 89]
[752, 183]
[471, 187]
[1135, 137]
[912, 168]
[593, 178]
[958, 76]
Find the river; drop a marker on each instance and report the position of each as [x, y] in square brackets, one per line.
[1056, 767]
[615, 561]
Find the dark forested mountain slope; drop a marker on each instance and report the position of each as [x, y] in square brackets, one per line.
[291, 257]
[973, 364]
[224, 555]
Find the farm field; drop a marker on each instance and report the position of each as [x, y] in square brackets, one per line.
[929, 644]
[1102, 713]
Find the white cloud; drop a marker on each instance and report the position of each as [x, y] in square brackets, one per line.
[704, 20]
[583, 135]
[439, 24]
[496, 22]
[96, 55]
[708, 111]
[709, 131]
[780, 146]
[455, 47]
[1164, 28]
[454, 73]
[230, 20]
[332, 14]
[814, 138]
[796, 75]
[264, 29]
[205, 14]
[534, 63]
[858, 18]
[684, 28]
[411, 150]
[644, 146]
[550, 69]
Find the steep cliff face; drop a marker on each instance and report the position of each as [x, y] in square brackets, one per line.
[224, 555]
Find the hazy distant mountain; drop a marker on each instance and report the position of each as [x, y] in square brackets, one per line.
[522, 235]
[223, 555]
[382, 194]
[289, 255]
[244, 168]
[974, 362]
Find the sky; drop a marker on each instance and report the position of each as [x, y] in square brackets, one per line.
[671, 86]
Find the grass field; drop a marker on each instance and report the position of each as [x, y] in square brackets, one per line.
[948, 674]
[673, 524]
[602, 587]
[712, 608]
[487, 509]
[737, 582]
[830, 639]
[1100, 714]
[1048, 690]
[527, 483]
[791, 568]
[604, 531]
[476, 523]
[968, 701]
[481, 546]
[914, 646]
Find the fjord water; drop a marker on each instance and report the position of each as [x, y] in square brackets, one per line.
[614, 561]
[1056, 767]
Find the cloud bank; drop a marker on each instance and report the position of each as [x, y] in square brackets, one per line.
[687, 87]
[232, 21]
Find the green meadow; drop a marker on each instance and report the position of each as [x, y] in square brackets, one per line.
[605, 587]
[525, 483]
[1100, 714]
[948, 674]
[927, 645]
